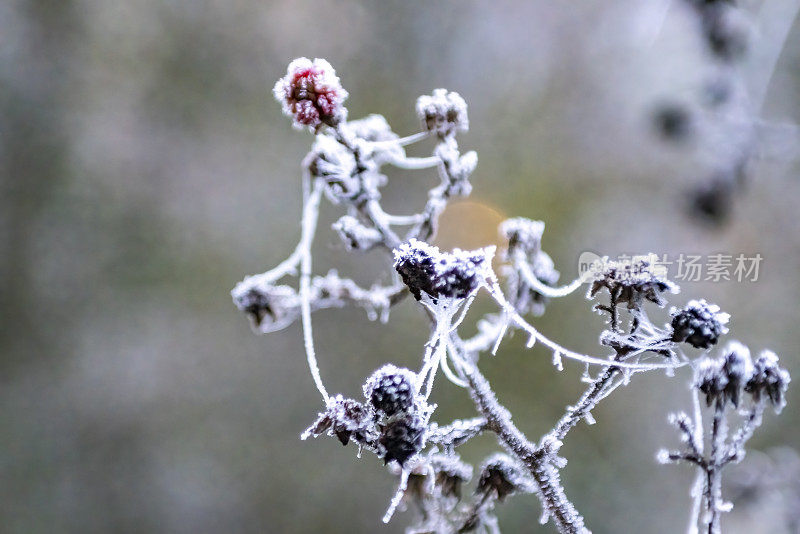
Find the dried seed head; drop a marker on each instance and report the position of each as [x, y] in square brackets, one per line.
[402, 438]
[769, 379]
[738, 368]
[710, 379]
[501, 474]
[391, 390]
[311, 94]
[698, 323]
[723, 379]
[633, 281]
[438, 274]
[451, 473]
[270, 307]
[346, 419]
[444, 112]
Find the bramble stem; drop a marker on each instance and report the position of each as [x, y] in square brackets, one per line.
[537, 460]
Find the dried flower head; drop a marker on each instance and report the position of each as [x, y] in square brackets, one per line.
[710, 379]
[450, 472]
[390, 390]
[769, 379]
[723, 379]
[346, 419]
[698, 323]
[311, 94]
[271, 307]
[500, 474]
[632, 282]
[438, 274]
[523, 234]
[443, 112]
[738, 368]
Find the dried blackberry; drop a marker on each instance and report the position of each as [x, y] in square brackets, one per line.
[402, 438]
[438, 274]
[390, 389]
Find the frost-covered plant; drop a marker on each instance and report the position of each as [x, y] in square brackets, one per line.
[731, 384]
[394, 418]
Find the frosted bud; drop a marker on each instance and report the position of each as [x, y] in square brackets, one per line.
[443, 112]
[311, 94]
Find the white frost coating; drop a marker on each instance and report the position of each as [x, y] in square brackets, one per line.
[494, 290]
[309, 226]
[557, 360]
[443, 112]
[547, 291]
[398, 496]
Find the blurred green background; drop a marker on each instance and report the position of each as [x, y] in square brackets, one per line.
[146, 169]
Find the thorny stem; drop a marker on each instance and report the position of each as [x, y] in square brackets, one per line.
[537, 460]
[588, 400]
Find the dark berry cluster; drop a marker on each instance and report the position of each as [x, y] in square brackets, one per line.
[699, 324]
[426, 270]
[391, 393]
[402, 438]
[391, 390]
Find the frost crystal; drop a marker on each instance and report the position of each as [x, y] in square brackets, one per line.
[444, 112]
[311, 94]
